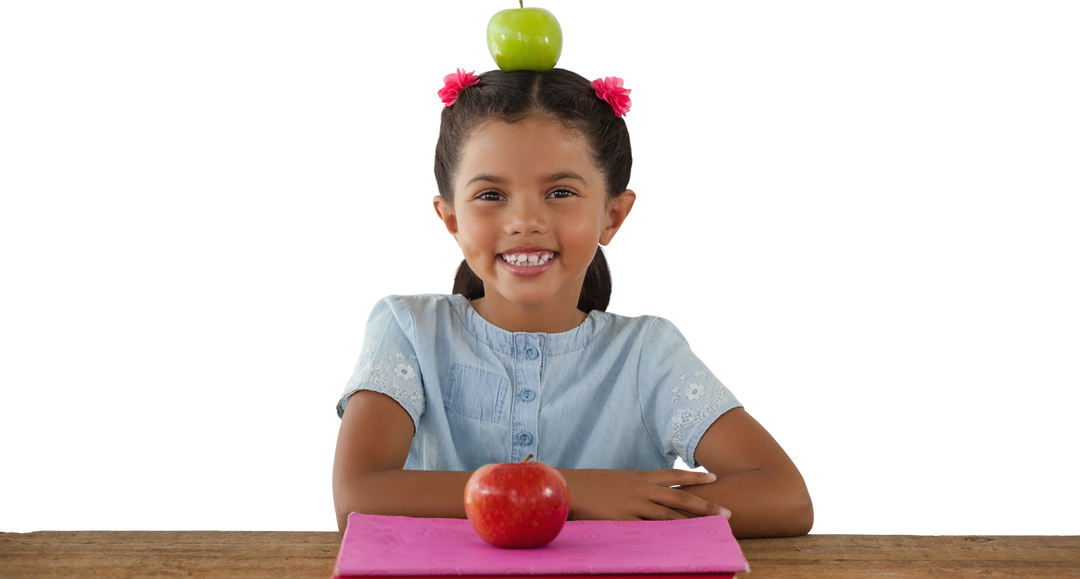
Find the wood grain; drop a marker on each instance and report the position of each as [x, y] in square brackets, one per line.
[900, 556]
[220, 554]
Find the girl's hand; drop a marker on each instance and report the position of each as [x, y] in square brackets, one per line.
[628, 495]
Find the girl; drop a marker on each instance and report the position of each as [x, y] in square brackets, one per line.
[522, 359]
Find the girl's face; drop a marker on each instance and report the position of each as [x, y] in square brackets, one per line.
[529, 210]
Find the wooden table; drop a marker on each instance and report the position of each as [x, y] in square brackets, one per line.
[212, 554]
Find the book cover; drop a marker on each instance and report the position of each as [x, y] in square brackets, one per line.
[419, 547]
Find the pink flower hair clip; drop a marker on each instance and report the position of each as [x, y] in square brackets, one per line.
[611, 90]
[455, 82]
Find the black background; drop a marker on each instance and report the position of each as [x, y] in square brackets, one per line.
[262, 178]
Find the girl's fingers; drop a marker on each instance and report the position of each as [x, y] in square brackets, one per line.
[676, 499]
[680, 499]
[655, 512]
[685, 477]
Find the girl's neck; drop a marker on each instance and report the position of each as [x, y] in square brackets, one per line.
[480, 305]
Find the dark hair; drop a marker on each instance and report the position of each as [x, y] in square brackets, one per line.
[512, 96]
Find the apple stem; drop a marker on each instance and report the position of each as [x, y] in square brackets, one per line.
[521, 3]
[528, 458]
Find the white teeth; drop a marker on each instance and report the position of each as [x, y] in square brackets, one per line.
[524, 259]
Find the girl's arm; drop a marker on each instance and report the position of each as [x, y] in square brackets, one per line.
[373, 444]
[755, 479]
[629, 495]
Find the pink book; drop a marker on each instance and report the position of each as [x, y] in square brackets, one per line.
[415, 547]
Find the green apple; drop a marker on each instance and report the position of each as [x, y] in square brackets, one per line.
[524, 39]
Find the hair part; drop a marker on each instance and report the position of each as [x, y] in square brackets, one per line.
[513, 96]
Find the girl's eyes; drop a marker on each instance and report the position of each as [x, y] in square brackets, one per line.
[496, 196]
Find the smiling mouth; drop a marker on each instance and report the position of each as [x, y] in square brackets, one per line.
[530, 260]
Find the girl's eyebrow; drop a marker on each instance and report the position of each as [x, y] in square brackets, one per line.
[550, 178]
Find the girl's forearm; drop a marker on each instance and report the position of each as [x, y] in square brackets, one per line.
[762, 503]
[410, 493]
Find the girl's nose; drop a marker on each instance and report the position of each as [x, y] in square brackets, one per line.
[525, 217]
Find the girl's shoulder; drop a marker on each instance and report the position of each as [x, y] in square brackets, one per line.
[643, 322]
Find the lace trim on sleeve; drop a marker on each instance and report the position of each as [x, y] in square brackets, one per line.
[691, 389]
[374, 374]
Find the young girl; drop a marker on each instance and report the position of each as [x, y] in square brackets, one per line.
[522, 359]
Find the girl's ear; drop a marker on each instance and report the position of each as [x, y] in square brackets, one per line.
[631, 197]
[445, 211]
[618, 216]
[439, 207]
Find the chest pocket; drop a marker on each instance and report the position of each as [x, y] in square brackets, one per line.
[475, 393]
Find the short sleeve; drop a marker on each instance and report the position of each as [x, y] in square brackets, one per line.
[680, 398]
[388, 362]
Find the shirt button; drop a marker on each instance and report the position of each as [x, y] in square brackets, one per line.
[528, 395]
[525, 439]
[531, 353]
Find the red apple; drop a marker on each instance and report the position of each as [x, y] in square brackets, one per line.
[517, 505]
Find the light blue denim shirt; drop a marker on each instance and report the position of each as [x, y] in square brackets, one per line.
[614, 392]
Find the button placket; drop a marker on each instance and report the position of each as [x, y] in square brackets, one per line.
[528, 355]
